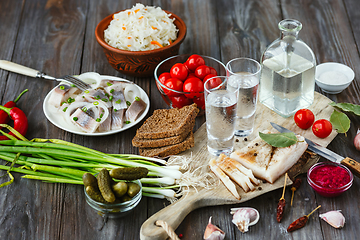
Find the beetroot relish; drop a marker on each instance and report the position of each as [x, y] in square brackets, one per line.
[330, 176]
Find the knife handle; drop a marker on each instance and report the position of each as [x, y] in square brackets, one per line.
[353, 165]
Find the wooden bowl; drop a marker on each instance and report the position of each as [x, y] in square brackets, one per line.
[139, 63]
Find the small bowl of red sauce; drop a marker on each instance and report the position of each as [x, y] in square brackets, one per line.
[329, 179]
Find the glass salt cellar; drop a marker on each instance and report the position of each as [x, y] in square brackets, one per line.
[287, 80]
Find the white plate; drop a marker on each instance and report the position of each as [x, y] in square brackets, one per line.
[53, 116]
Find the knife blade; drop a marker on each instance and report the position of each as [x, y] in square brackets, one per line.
[353, 165]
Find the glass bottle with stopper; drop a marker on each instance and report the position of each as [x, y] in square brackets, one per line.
[287, 80]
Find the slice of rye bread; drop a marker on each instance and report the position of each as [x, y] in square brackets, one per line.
[161, 142]
[166, 123]
[169, 150]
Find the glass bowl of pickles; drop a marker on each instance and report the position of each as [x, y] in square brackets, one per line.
[109, 196]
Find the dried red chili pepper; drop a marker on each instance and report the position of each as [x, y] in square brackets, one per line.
[19, 118]
[300, 222]
[4, 116]
[281, 205]
[294, 187]
[280, 210]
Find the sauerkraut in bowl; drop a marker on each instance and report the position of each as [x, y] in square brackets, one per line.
[141, 28]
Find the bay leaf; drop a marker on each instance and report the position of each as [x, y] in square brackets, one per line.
[340, 121]
[279, 139]
[347, 107]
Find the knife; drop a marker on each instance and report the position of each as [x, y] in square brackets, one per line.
[353, 165]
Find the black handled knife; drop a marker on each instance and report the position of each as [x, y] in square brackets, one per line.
[353, 165]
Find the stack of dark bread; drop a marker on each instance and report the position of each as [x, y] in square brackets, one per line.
[167, 132]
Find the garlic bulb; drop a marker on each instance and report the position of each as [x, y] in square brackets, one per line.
[212, 232]
[335, 218]
[244, 217]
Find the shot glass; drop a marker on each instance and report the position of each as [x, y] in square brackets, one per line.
[244, 76]
[220, 110]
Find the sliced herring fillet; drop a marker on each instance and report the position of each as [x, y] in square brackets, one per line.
[242, 169]
[84, 121]
[224, 178]
[235, 174]
[267, 162]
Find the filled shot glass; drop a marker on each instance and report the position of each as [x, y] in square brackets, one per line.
[244, 76]
[220, 110]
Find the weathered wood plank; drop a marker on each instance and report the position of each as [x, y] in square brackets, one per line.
[326, 30]
[58, 37]
[10, 22]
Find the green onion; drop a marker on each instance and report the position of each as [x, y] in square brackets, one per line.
[128, 103]
[162, 191]
[70, 100]
[58, 161]
[75, 118]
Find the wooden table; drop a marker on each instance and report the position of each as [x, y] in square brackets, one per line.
[57, 37]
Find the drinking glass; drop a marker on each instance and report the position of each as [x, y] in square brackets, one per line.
[220, 110]
[244, 75]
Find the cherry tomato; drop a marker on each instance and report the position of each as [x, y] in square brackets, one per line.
[202, 71]
[304, 118]
[200, 101]
[191, 74]
[213, 82]
[180, 101]
[194, 61]
[213, 71]
[194, 86]
[322, 128]
[164, 76]
[179, 71]
[175, 84]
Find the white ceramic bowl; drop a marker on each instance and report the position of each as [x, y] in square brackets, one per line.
[333, 77]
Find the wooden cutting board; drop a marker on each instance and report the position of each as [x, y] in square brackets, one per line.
[217, 194]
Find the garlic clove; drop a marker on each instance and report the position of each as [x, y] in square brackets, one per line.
[335, 218]
[245, 217]
[212, 232]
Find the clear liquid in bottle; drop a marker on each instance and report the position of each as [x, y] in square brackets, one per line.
[287, 80]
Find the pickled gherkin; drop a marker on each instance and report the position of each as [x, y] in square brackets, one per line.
[104, 182]
[120, 189]
[129, 174]
[95, 194]
[104, 189]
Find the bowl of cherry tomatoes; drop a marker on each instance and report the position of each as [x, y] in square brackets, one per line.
[180, 79]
